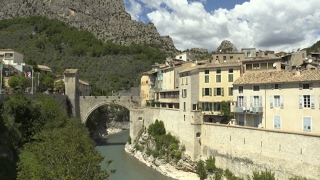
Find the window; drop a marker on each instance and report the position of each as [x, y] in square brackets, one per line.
[230, 70]
[184, 106]
[307, 124]
[206, 92]
[231, 57]
[256, 101]
[194, 107]
[256, 88]
[206, 77]
[219, 91]
[224, 57]
[241, 120]
[177, 80]
[207, 106]
[241, 101]
[256, 66]
[276, 101]
[230, 77]
[216, 106]
[306, 101]
[218, 76]
[248, 66]
[184, 93]
[277, 86]
[277, 121]
[240, 89]
[230, 91]
[164, 79]
[305, 86]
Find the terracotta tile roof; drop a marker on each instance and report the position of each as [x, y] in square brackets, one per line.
[268, 77]
[227, 64]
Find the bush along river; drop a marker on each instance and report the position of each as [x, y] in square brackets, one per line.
[127, 166]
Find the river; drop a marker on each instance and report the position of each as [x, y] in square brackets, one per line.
[128, 167]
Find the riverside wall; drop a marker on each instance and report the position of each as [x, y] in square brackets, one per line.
[239, 149]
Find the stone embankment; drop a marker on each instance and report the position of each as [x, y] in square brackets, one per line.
[183, 169]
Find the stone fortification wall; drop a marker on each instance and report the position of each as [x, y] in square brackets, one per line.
[178, 123]
[243, 150]
[239, 149]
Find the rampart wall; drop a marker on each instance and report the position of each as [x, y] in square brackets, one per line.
[239, 149]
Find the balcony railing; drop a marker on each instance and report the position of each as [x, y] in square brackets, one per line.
[248, 109]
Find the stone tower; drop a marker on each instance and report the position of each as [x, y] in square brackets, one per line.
[71, 80]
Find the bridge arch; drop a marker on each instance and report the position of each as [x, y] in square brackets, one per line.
[90, 103]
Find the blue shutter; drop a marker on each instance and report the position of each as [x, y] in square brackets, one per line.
[245, 101]
[271, 102]
[307, 124]
[281, 102]
[300, 102]
[277, 121]
[260, 101]
[312, 101]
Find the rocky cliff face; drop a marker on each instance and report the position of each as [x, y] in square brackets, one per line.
[227, 46]
[106, 19]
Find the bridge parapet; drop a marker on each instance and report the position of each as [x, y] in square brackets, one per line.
[89, 103]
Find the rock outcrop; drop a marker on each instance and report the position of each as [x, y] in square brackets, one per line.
[106, 19]
[227, 46]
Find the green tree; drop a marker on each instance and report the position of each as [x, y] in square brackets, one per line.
[13, 82]
[48, 82]
[201, 170]
[59, 85]
[225, 109]
[61, 153]
[23, 82]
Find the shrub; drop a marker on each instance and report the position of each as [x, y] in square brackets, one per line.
[157, 129]
[262, 175]
[183, 148]
[200, 170]
[297, 178]
[210, 164]
[173, 146]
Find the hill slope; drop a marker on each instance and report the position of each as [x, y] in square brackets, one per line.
[105, 19]
[109, 66]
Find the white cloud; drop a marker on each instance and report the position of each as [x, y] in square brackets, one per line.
[134, 9]
[267, 25]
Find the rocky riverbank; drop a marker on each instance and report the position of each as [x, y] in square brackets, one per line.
[181, 169]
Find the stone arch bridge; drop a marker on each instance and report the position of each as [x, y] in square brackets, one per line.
[88, 104]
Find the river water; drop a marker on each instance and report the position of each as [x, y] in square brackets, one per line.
[127, 167]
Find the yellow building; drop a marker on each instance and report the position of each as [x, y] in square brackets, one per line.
[215, 86]
[281, 100]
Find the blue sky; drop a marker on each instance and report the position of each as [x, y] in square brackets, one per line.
[279, 25]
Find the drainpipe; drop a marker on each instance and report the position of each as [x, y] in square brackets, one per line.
[265, 106]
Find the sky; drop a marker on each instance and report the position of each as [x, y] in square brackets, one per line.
[276, 25]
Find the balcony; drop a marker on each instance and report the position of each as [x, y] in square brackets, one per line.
[251, 110]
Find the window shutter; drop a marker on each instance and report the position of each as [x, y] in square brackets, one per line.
[300, 101]
[312, 101]
[251, 101]
[279, 85]
[222, 91]
[272, 86]
[277, 122]
[214, 91]
[210, 91]
[245, 101]
[202, 91]
[307, 124]
[300, 86]
[260, 101]
[185, 93]
[181, 92]
[271, 102]
[310, 86]
[281, 102]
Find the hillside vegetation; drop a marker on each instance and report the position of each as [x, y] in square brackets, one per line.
[106, 66]
[314, 48]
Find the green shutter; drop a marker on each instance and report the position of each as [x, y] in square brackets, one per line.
[202, 91]
[210, 91]
[215, 91]
[222, 91]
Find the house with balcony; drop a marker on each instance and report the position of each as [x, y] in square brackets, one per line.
[11, 57]
[279, 100]
[216, 85]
